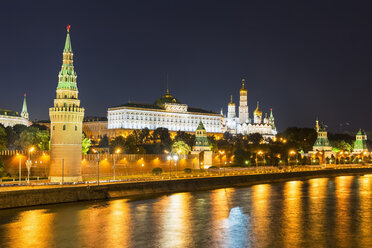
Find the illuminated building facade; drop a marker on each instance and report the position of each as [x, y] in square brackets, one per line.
[66, 118]
[166, 112]
[10, 118]
[243, 124]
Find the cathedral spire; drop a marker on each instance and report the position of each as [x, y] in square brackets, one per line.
[24, 112]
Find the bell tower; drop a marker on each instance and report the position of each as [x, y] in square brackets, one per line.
[243, 104]
[66, 119]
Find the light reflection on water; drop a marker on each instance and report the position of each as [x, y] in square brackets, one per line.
[322, 212]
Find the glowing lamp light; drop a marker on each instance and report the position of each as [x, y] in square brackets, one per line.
[169, 157]
[175, 157]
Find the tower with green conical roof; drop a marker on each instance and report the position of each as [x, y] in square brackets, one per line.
[201, 139]
[360, 144]
[322, 142]
[24, 112]
[66, 117]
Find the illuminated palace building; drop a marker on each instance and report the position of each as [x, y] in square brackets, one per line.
[167, 112]
[243, 124]
[11, 118]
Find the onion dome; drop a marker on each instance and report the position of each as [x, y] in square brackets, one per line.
[243, 88]
[231, 103]
[166, 98]
[257, 111]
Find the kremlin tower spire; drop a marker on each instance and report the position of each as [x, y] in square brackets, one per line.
[66, 119]
[24, 112]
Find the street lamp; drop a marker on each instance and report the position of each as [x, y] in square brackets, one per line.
[175, 158]
[221, 153]
[29, 163]
[292, 152]
[95, 151]
[170, 166]
[114, 167]
[20, 167]
[260, 153]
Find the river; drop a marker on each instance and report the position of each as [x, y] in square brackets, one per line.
[322, 212]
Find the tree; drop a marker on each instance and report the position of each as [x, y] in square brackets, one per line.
[85, 144]
[117, 143]
[12, 138]
[32, 136]
[341, 145]
[28, 137]
[1, 168]
[43, 138]
[19, 128]
[254, 138]
[299, 138]
[180, 147]
[189, 139]
[162, 135]
[3, 138]
[104, 142]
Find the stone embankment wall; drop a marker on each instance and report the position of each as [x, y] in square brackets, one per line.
[42, 196]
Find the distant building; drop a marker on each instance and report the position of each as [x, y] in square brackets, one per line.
[167, 112]
[243, 124]
[201, 139]
[360, 145]
[10, 118]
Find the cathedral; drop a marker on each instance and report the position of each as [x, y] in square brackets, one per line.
[243, 124]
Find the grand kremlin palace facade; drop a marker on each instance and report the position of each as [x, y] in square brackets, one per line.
[167, 112]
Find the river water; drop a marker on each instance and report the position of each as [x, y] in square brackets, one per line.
[322, 212]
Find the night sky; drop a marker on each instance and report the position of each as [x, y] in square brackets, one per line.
[302, 58]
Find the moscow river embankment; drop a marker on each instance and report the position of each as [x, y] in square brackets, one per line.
[63, 194]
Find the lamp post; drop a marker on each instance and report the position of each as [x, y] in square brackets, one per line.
[114, 167]
[175, 158]
[291, 152]
[221, 153]
[260, 153]
[95, 151]
[20, 167]
[29, 163]
[170, 166]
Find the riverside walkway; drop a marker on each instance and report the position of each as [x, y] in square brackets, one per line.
[14, 185]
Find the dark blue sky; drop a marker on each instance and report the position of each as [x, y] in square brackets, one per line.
[302, 58]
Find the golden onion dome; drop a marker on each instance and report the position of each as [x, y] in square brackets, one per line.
[257, 111]
[243, 88]
[167, 95]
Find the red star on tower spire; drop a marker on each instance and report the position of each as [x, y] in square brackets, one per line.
[68, 28]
